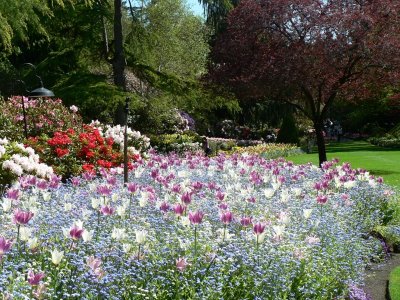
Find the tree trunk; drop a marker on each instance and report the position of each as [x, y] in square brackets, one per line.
[119, 58]
[319, 132]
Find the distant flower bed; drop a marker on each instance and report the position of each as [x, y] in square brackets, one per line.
[237, 227]
[269, 151]
[390, 142]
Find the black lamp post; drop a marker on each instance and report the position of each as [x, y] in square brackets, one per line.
[36, 93]
[126, 140]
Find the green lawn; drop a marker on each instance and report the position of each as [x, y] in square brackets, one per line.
[394, 284]
[378, 161]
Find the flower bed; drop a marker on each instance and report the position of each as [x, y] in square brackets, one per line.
[193, 228]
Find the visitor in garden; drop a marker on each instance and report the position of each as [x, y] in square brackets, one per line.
[206, 148]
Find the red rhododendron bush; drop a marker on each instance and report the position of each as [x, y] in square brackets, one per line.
[73, 152]
[62, 141]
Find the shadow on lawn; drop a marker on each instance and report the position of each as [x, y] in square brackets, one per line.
[352, 146]
[382, 172]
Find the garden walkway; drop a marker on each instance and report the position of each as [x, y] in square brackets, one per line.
[378, 276]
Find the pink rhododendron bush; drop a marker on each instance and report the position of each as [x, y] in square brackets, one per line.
[43, 116]
[238, 227]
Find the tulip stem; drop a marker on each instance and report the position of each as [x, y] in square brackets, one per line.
[258, 256]
[138, 253]
[98, 225]
[18, 245]
[195, 241]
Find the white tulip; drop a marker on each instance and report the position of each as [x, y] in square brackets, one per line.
[279, 230]
[349, 184]
[118, 233]
[126, 248]
[7, 203]
[307, 213]
[56, 256]
[260, 237]
[95, 203]
[33, 243]
[285, 196]
[68, 206]
[25, 233]
[140, 236]
[269, 193]
[46, 196]
[87, 235]
[185, 221]
[121, 211]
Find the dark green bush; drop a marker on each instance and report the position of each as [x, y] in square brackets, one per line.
[288, 134]
[179, 143]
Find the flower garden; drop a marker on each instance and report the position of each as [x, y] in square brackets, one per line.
[193, 227]
[237, 225]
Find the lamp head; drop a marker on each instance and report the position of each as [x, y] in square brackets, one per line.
[41, 92]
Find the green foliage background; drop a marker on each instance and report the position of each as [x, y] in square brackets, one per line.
[71, 44]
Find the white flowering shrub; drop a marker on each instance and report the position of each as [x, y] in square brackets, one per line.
[137, 142]
[17, 160]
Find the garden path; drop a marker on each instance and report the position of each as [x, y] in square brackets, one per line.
[378, 276]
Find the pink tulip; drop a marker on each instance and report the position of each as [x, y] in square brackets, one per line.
[5, 246]
[223, 206]
[258, 228]
[179, 209]
[22, 217]
[34, 279]
[197, 185]
[132, 187]
[42, 184]
[111, 180]
[322, 199]
[181, 264]
[93, 263]
[12, 194]
[196, 217]
[75, 181]
[186, 198]
[76, 232]
[107, 210]
[104, 190]
[164, 207]
[176, 188]
[219, 195]
[245, 221]
[226, 217]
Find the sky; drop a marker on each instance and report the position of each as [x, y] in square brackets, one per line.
[195, 7]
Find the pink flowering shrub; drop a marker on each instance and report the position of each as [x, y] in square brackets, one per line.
[43, 116]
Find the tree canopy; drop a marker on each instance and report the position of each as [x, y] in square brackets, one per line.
[309, 53]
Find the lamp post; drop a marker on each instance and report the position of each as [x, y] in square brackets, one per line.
[36, 93]
[126, 140]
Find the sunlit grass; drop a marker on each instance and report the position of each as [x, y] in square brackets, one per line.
[378, 161]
